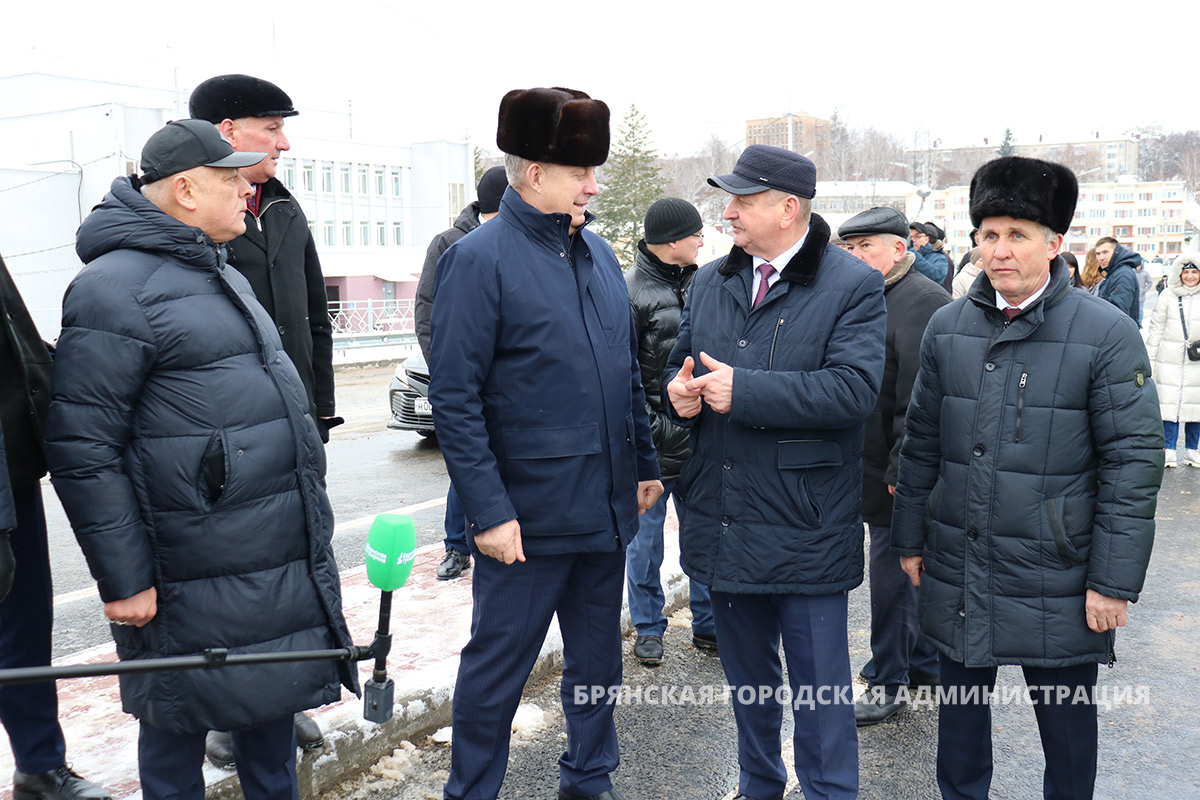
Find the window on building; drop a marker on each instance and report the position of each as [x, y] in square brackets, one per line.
[347, 234]
[306, 175]
[1099, 198]
[1096, 213]
[1147, 212]
[398, 234]
[1123, 213]
[381, 234]
[1123, 197]
[289, 174]
[1146, 196]
[380, 181]
[329, 240]
[344, 172]
[327, 178]
[312, 228]
[363, 181]
[396, 183]
[364, 234]
[1122, 231]
[458, 197]
[1172, 213]
[1145, 231]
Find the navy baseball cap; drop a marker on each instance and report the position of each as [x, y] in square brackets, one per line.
[761, 167]
[184, 144]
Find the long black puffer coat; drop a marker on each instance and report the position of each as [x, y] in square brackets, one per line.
[181, 445]
[1029, 474]
[656, 293]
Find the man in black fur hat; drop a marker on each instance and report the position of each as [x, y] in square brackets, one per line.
[278, 256]
[1029, 473]
[542, 420]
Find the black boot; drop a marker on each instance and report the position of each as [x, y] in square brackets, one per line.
[218, 746]
[308, 733]
[57, 784]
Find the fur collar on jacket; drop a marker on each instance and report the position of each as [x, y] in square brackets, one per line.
[900, 270]
[802, 269]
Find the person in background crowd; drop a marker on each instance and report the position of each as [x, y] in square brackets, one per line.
[181, 443]
[488, 193]
[777, 367]
[658, 282]
[538, 401]
[1073, 270]
[967, 275]
[937, 243]
[900, 656]
[1120, 285]
[1091, 275]
[927, 262]
[1174, 324]
[1145, 284]
[278, 256]
[29, 713]
[966, 259]
[1029, 474]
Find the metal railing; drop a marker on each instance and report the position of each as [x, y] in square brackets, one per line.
[371, 316]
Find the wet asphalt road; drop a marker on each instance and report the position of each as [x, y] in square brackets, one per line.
[1148, 751]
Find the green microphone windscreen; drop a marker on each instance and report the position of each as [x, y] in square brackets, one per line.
[391, 546]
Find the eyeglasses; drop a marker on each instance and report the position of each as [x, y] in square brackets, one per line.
[699, 236]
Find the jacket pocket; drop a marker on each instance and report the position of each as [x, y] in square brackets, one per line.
[1067, 553]
[798, 455]
[213, 470]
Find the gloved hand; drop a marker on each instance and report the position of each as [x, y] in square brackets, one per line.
[325, 423]
[8, 566]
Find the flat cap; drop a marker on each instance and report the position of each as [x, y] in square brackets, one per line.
[875, 220]
[237, 96]
[761, 167]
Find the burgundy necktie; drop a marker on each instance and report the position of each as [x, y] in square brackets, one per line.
[1011, 312]
[765, 270]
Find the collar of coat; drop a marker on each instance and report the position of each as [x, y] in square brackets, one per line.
[900, 270]
[552, 230]
[672, 273]
[983, 294]
[802, 269]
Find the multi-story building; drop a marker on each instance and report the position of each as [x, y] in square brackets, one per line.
[372, 208]
[838, 201]
[800, 133]
[1104, 159]
[1157, 219]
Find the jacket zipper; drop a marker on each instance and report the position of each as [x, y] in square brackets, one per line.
[258, 217]
[775, 338]
[1020, 404]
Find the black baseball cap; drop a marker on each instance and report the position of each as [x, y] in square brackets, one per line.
[761, 167]
[184, 144]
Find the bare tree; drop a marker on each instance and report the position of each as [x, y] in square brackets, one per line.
[688, 177]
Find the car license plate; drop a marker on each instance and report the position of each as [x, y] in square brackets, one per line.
[422, 406]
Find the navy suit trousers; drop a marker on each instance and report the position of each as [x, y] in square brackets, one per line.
[1069, 732]
[899, 652]
[813, 629]
[514, 604]
[30, 711]
[171, 765]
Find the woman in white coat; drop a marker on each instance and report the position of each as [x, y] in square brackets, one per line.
[1176, 376]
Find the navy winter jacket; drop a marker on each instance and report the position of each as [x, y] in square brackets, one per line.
[181, 444]
[536, 389]
[1120, 287]
[773, 489]
[1029, 473]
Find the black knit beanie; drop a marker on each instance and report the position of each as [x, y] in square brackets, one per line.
[671, 219]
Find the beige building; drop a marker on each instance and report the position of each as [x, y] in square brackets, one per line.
[800, 133]
[1095, 159]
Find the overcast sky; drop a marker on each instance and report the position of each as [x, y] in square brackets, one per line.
[437, 70]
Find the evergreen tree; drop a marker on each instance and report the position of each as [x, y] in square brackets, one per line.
[479, 170]
[629, 182]
[1006, 146]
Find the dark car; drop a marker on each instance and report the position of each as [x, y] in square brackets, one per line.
[408, 396]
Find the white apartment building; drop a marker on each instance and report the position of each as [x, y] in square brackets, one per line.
[63, 139]
[1154, 218]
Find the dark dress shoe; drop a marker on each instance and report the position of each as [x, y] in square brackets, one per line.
[871, 710]
[648, 650]
[453, 565]
[308, 732]
[218, 746]
[57, 784]
[611, 794]
[706, 642]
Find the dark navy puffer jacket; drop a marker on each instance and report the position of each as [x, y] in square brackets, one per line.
[1029, 473]
[181, 445]
[1120, 286]
[773, 489]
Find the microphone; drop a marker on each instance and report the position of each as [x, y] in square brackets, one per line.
[391, 547]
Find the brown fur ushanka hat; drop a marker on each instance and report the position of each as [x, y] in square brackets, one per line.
[1025, 188]
[557, 126]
